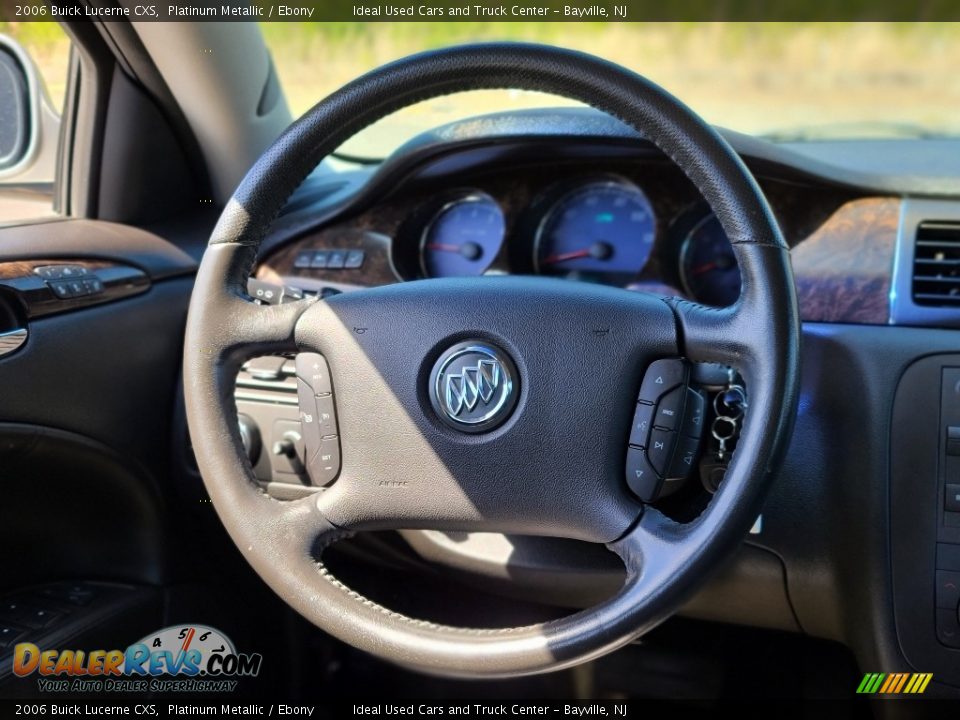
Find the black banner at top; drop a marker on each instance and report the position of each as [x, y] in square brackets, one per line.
[477, 10]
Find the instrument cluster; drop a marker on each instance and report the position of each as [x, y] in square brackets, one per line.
[601, 229]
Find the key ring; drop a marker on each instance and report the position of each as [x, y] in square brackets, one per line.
[733, 400]
[719, 421]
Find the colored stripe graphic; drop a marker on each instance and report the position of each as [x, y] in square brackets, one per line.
[894, 683]
[891, 680]
[903, 681]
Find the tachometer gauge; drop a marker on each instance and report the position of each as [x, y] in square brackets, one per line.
[603, 230]
[708, 268]
[463, 237]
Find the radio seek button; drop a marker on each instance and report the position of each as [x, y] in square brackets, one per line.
[660, 449]
[662, 376]
[642, 422]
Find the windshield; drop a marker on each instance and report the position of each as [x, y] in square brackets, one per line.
[787, 81]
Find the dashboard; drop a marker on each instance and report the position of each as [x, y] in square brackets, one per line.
[595, 210]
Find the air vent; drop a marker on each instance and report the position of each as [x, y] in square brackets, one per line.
[936, 264]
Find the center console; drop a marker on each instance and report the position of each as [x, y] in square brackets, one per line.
[925, 515]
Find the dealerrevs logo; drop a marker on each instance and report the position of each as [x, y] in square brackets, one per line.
[186, 658]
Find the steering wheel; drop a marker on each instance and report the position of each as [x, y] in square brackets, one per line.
[548, 459]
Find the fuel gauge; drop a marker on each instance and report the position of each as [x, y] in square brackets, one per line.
[463, 237]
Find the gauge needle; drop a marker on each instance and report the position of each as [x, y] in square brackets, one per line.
[470, 250]
[599, 251]
[444, 247]
[705, 268]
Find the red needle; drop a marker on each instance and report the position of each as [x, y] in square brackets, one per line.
[701, 269]
[444, 247]
[561, 257]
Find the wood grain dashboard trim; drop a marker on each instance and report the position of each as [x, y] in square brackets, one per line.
[844, 270]
[842, 254]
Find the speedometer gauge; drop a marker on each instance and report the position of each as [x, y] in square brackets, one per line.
[463, 237]
[603, 230]
[708, 268]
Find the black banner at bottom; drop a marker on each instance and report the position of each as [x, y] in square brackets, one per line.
[635, 708]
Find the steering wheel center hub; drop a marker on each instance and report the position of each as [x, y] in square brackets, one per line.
[474, 386]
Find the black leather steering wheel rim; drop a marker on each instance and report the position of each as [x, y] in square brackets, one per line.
[665, 561]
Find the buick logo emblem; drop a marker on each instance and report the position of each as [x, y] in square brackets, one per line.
[473, 386]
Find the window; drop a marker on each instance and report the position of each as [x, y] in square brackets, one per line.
[34, 64]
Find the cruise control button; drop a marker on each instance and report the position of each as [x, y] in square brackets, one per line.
[662, 376]
[642, 422]
[325, 416]
[309, 423]
[641, 477]
[660, 449]
[685, 458]
[326, 463]
[693, 414]
[669, 409]
[312, 368]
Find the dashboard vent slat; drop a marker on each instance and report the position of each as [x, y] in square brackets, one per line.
[936, 264]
